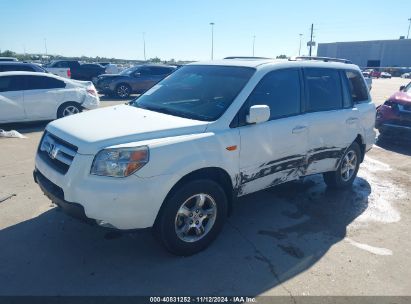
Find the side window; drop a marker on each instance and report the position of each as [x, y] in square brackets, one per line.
[144, 71]
[280, 90]
[324, 91]
[42, 83]
[357, 87]
[11, 83]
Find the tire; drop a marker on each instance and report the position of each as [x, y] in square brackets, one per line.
[123, 90]
[68, 108]
[179, 229]
[347, 169]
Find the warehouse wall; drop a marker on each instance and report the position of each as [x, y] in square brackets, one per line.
[390, 53]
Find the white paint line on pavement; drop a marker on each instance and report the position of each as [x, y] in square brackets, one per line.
[372, 249]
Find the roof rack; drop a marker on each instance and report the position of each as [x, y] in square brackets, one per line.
[245, 57]
[325, 59]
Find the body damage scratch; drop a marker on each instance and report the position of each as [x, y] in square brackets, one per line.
[292, 166]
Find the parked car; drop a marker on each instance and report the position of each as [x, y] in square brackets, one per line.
[30, 96]
[176, 158]
[406, 75]
[373, 73]
[110, 68]
[366, 74]
[137, 79]
[394, 116]
[385, 75]
[78, 71]
[8, 59]
[21, 66]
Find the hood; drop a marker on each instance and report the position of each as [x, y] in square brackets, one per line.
[94, 130]
[403, 98]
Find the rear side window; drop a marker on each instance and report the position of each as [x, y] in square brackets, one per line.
[357, 87]
[11, 83]
[324, 91]
[41, 83]
[280, 90]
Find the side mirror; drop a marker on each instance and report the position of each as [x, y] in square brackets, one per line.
[402, 88]
[258, 114]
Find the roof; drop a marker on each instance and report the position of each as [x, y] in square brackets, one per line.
[260, 63]
[15, 63]
[20, 73]
[242, 62]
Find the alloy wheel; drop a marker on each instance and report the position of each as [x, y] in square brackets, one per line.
[195, 218]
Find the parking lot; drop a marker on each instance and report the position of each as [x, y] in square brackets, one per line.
[296, 239]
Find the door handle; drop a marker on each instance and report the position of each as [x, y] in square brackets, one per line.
[299, 129]
[351, 120]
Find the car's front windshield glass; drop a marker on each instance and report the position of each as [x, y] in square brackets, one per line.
[201, 92]
[128, 71]
[408, 88]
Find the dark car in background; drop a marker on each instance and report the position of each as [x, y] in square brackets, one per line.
[86, 71]
[20, 66]
[8, 59]
[137, 79]
[394, 116]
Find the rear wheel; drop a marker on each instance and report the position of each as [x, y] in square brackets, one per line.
[67, 109]
[192, 217]
[123, 90]
[347, 170]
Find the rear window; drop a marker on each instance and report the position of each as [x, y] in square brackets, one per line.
[42, 82]
[323, 89]
[358, 88]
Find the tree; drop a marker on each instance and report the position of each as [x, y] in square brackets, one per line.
[282, 57]
[8, 53]
[155, 60]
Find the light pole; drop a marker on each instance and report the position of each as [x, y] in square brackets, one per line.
[144, 46]
[45, 45]
[299, 50]
[253, 44]
[212, 40]
[409, 26]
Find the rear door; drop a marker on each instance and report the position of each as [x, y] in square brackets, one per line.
[11, 99]
[273, 152]
[330, 119]
[42, 95]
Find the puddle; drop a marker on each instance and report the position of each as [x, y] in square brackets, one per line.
[383, 194]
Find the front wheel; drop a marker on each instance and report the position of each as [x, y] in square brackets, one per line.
[123, 90]
[347, 170]
[192, 217]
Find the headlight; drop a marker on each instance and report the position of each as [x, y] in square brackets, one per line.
[119, 162]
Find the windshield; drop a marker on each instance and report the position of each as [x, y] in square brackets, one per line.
[408, 88]
[196, 91]
[129, 71]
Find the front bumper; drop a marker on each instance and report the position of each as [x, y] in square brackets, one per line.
[56, 195]
[123, 203]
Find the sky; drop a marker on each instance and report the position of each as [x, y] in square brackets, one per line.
[181, 30]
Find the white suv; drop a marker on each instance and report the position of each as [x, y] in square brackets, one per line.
[176, 158]
[30, 96]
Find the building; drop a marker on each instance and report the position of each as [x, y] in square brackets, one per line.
[378, 53]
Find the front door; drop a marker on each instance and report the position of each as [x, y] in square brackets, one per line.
[274, 152]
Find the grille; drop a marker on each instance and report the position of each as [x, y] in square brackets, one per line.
[56, 152]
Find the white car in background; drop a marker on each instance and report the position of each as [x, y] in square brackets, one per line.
[31, 96]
